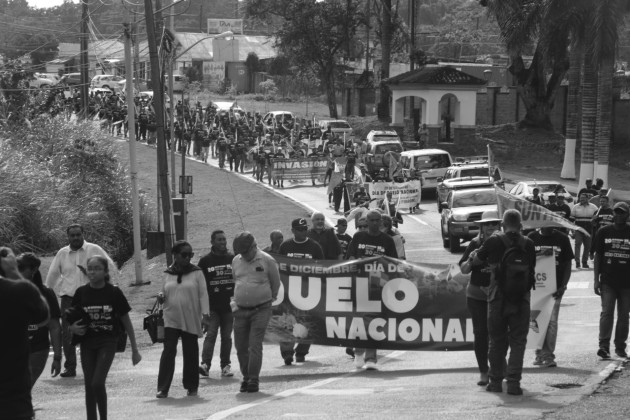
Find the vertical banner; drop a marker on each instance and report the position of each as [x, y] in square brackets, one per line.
[542, 301]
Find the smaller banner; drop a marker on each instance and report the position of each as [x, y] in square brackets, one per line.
[534, 216]
[404, 194]
[218, 26]
[300, 168]
[542, 301]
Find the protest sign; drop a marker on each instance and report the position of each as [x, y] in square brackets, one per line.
[381, 302]
[300, 168]
[541, 303]
[533, 215]
[404, 194]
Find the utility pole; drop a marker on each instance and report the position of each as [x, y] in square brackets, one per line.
[85, 64]
[158, 103]
[171, 62]
[131, 119]
[412, 30]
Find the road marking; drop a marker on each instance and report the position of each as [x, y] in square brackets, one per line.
[608, 370]
[289, 392]
[594, 296]
[422, 222]
[578, 285]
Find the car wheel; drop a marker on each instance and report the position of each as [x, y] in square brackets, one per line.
[438, 206]
[453, 243]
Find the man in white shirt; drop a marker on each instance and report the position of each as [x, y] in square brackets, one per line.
[67, 272]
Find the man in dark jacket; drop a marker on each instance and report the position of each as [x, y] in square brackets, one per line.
[217, 269]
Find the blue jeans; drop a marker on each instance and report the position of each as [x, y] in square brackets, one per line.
[479, 312]
[249, 331]
[610, 297]
[508, 325]
[549, 345]
[582, 239]
[224, 321]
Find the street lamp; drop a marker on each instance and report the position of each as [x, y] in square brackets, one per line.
[173, 59]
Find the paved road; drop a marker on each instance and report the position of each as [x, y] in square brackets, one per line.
[438, 385]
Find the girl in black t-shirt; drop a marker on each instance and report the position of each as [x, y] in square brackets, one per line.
[38, 336]
[107, 308]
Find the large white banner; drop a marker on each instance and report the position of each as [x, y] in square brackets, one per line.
[542, 300]
[218, 26]
[404, 194]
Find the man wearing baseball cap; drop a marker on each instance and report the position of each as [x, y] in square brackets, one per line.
[256, 285]
[611, 268]
[302, 247]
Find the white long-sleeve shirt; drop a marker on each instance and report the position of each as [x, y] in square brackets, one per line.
[64, 275]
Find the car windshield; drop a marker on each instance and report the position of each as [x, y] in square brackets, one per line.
[547, 188]
[385, 137]
[338, 124]
[432, 161]
[390, 147]
[474, 172]
[474, 198]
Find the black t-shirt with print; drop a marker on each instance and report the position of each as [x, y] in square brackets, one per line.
[309, 249]
[105, 307]
[222, 144]
[480, 274]
[365, 245]
[561, 246]
[38, 336]
[603, 217]
[217, 270]
[561, 210]
[344, 241]
[613, 247]
[20, 306]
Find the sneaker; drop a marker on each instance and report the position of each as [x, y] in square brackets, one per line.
[227, 371]
[577, 264]
[192, 393]
[243, 386]
[252, 387]
[350, 352]
[161, 394]
[299, 358]
[288, 361]
[585, 265]
[359, 361]
[538, 361]
[204, 369]
[621, 353]
[604, 354]
[68, 373]
[495, 386]
[549, 363]
[514, 388]
[371, 365]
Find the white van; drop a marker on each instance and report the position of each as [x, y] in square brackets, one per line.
[428, 164]
[336, 126]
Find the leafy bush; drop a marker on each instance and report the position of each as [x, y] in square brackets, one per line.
[56, 173]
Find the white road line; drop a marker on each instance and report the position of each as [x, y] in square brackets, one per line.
[289, 392]
[422, 222]
[578, 285]
[608, 370]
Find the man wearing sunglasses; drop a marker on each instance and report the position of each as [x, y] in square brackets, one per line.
[256, 285]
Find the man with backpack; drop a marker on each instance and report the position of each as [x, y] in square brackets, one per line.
[513, 261]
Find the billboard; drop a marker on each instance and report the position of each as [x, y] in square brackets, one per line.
[217, 26]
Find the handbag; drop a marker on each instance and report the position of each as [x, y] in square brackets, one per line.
[154, 323]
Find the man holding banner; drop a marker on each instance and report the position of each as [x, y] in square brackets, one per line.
[550, 240]
[364, 244]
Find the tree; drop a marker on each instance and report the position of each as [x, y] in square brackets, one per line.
[537, 26]
[312, 33]
[252, 63]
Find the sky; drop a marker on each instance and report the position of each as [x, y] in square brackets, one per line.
[46, 3]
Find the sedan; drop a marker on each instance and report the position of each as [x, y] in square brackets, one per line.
[525, 189]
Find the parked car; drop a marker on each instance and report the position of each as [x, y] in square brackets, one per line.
[474, 174]
[382, 135]
[460, 211]
[428, 164]
[147, 96]
[336, 126]
[274, 119]
[50, 76]
[37, 82]
[105, 81]
[378, 154]
[71, 79]
[525, 189]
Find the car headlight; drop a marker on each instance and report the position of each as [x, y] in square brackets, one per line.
[460, 217]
